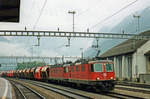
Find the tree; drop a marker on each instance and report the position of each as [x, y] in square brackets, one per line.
[29, 65]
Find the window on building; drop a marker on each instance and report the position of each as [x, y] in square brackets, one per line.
[59, 69]
[109, 67]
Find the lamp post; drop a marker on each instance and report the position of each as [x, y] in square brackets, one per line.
[138, 17]
[72, 12]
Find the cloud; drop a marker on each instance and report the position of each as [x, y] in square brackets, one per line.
[49, 53]
[55, 14]
[88, 13]
[12, 50]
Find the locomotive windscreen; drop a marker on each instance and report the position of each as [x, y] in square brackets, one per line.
[9, 10]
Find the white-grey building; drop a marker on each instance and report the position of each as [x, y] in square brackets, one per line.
[131, 58]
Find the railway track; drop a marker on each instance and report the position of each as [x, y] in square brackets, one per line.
[24, 92]
[121, 96]
[67, 93]
[140, 85]
[135, 89]
[74, 95]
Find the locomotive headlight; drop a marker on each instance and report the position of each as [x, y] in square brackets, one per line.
[111, 78]
[97, 78]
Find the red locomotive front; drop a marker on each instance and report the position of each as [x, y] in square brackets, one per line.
[102, 74]
[101, 71]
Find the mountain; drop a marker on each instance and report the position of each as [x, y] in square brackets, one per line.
[128, 25]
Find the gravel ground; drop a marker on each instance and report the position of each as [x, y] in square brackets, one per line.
[46, 93]
[89, 94]
[13, 93]
[138, 94]
[52, 95]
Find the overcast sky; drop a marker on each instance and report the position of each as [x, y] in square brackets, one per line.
[51, 14]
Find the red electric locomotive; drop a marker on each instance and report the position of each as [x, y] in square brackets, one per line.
[97, 74]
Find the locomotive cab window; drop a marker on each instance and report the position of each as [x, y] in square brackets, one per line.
[92, 68]
[98, 67]
[109, 67]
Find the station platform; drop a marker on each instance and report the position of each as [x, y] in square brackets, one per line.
[5, 89]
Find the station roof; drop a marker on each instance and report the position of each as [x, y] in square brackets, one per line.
[9, 10]
[128, 46]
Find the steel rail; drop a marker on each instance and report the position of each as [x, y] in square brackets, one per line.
[135, 89]
[30, 89]
[107, 93]
[63, 92]
[19, 91]
[121, 96]
[139, 85]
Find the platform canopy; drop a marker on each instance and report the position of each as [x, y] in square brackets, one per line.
[9, 10]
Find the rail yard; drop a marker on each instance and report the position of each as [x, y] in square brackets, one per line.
[74, 49]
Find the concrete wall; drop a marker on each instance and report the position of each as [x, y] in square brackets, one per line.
[142, 58]
[139, 60]
[116, 66]
[127, 69]
[148, 64]
[122, 67]
[144, 78]
[130, 66]
[139, 64]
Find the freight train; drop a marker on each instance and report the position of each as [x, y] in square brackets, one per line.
[97, 74]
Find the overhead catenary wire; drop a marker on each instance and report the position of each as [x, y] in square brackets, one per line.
[40, 14]
[114, 14]
[89, 8]
[60, 46]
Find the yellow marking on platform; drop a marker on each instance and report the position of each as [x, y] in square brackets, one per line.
[3, 97]
[6, 89]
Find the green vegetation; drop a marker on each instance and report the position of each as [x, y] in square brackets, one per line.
[29, 65]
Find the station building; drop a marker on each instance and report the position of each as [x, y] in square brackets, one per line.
[131, 59]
